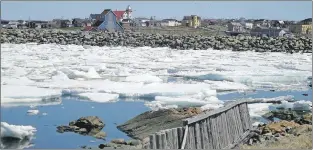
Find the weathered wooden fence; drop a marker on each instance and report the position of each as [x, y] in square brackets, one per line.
[218, 129]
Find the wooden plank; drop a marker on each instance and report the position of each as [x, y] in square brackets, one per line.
[169, 139]
[180, 136]
[185, 137]
[225, 129]
[243, 116]
[205, 135]
[192, 137]
[158, 140]
[152, 144]
[248, 116]
[202, 133]
[210, 113]
[197, 136]
[230, 125]
[210, 136]
[213, 131]
[163, 140]
[175, 138]
[219, 131]
[235, 124]
[237, 114]
[236, 142]
[166, 138]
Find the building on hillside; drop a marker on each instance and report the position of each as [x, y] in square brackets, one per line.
[170, 22]
[191, 21]
[302, 27]
[108, 21]
[235, 27]
[270, 32]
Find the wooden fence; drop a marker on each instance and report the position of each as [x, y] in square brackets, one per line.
[219, 129]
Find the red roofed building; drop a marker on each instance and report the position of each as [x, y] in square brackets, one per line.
[123, 14]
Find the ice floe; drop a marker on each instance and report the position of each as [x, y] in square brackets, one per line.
[145, 78]
[19, 95]
[32, 112]
[99, 97]
[16, 136]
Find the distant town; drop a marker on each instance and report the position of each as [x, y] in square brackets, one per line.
[122, 20]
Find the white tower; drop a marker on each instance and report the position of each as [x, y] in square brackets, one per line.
[129, 12]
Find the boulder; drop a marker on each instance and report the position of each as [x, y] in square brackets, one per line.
[90, 125]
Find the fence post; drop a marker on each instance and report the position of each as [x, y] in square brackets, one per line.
[185, 137]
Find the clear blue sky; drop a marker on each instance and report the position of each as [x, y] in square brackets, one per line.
[284, 10]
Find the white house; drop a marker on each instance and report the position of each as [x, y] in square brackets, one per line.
[141, 21]
[170, 22]
[235, 27]
[248, 25]
[13, 24]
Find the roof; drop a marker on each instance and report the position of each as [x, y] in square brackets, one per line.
[235, 23]
[169, 20]
[104, 12]
[190, 17]
[119, 13]
[141, 18]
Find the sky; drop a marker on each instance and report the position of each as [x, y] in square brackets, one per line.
[39, 10]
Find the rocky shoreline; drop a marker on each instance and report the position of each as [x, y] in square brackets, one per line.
[131, 39]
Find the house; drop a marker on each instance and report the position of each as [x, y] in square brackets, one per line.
[191, 21]
[270, 32]
[123, 14]
[307, 21]
[4, 23]
[37, 24]
[66, 23]
[108, 21]
[12, 25]
[300, 29]
[235, 27]
[77, 22]
[261, 23]
[170, 22]
[247, 25]
[142, 22]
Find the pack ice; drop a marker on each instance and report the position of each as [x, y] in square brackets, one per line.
[33, 73]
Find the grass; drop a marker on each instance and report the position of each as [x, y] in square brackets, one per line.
[72, 28]
[303, 141]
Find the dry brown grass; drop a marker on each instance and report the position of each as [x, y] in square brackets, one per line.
[303, 141]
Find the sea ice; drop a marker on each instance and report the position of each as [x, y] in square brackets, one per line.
[32, 112]
[17, 131]
[145, 78]
[41, 70]
[99, 97]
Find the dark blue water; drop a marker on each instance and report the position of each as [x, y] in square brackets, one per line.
[112, 114]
